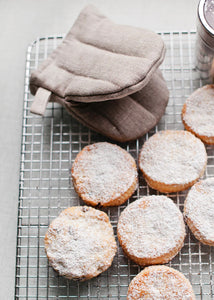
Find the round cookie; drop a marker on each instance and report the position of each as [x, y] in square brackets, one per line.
[172, 161]
[199, 211]
[151, 230]
[104, 174]
[198, 113]
[160, 283]
[80, 243]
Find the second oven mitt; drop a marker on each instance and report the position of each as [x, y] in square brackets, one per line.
[106, 76]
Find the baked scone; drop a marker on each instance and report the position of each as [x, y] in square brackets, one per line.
[80, 243]
[172, 160]
[198, 113]
[151, 230]
[104, 174]
[160, 283]
[199, 210]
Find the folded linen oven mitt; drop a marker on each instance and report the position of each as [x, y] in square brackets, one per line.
[106, 76]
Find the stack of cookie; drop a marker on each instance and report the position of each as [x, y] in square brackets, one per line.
[80, 243]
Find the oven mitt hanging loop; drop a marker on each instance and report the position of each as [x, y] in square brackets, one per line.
[40, 101]
[99, 62]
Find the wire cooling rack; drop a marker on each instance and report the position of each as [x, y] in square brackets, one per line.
[49, 147]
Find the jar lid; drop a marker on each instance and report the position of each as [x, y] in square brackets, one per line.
[206, 15]
[205, 22]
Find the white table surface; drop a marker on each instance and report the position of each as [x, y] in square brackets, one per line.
[21, 21]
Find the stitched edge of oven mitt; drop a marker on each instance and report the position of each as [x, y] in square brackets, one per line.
[127, 118]
[99, 60]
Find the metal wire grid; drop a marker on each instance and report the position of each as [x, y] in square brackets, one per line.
[50, 145]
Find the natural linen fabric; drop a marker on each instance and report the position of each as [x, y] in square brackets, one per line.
[99, 61]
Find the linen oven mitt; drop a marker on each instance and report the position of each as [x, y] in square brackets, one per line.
[106, 76]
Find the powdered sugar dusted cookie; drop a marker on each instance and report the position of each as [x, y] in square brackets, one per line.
[199, 211]
[172, 161]
[198, 113]
[80, 243]
[104, 174]
[160, 283]
[151, 230]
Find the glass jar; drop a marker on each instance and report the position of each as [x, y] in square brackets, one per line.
[205, 39]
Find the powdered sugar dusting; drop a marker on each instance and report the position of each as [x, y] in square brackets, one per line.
[151, 227]
[158, 283]
[80, 243]
[173, 157]
[199, 114]
[199, 208]
[103, 172]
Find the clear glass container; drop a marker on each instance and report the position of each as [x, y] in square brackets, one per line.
[205, 39]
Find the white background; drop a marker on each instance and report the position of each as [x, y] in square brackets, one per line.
[21, 21]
